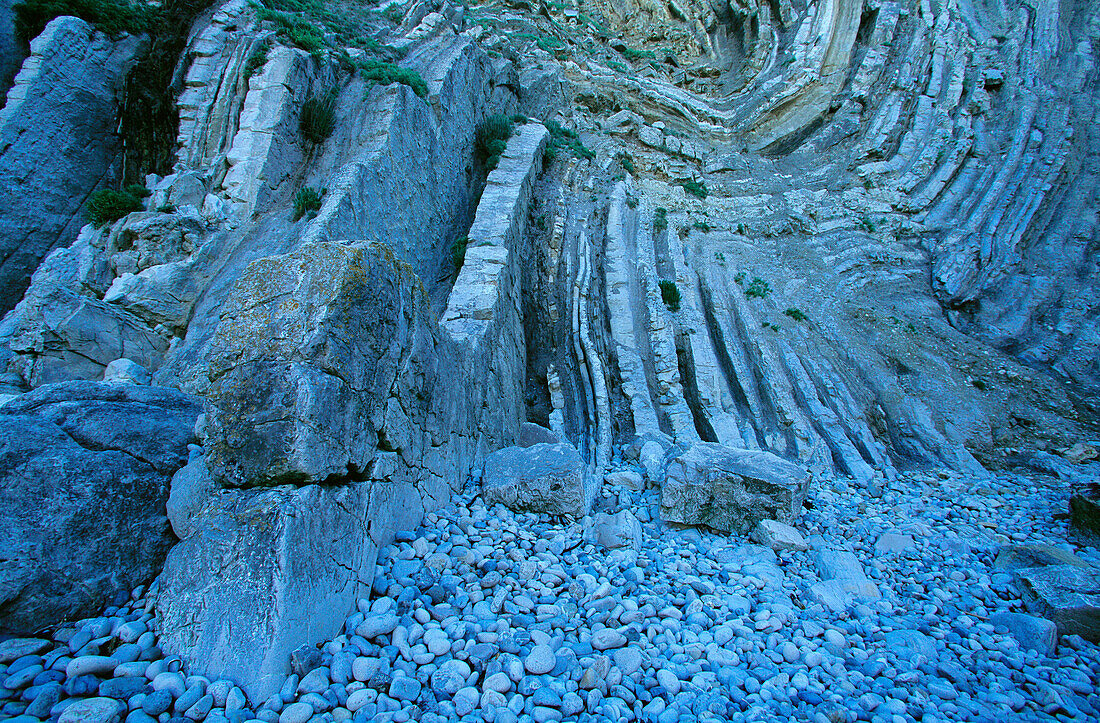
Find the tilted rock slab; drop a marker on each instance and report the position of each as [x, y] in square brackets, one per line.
[1067, 595]
[84, 473]
[265, 571]
[57, 142]
[731, 490]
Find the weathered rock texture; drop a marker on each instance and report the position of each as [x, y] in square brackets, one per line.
[265, 571]
[62, 108]
[10, 53]
[84, 472]
[879, 220]
[731, 490]
[540, 478]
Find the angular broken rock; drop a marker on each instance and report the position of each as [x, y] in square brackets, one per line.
[84, 474]
[1019, 557]
[842, 580]
[619, 530]
[319, 359]
[541, 478]
[263, 572]
[778, 536]
[1032, 633]
[1084, 513]
[1067, 595]
[731, 490]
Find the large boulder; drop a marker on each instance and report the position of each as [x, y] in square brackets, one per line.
[263, 572]
[57, 142]
[84, 475]
[1067, 595]
[540, 478]
[322, 359]
[731, 490]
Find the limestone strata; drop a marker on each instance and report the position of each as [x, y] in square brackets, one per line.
[488, 276]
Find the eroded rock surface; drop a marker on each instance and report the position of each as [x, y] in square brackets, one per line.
[84, 472]
[540, 478]
[731, 490]
[62, 107]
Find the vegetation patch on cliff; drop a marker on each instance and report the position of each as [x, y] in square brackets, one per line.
[112, 17]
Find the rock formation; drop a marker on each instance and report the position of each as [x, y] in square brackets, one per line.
[718, 249]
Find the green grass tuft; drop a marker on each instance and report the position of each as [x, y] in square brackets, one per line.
[757, 288]
[796, 314]
[565, 139]
[108, 205]
[307, 202]
[458, 252]
[492, 137]
[660, 219]
[695, 188]
[383, 73]
[319, 116]
[258, 59]
[670, 294]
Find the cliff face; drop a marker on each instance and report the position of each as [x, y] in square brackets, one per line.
[859, 236]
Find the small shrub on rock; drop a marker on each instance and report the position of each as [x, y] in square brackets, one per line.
[383, 73]
[660, 219]
[757, 289]
[108, 205]
[670, 294]
[318, 116]
[112, 17]
[307, 202]
[492, 138]
[458, 252]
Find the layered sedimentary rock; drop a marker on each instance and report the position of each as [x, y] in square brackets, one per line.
[852, 238]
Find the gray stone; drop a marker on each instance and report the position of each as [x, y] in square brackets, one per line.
[450, 677]
[627, 478]
[541, 478]
[377, 624]
[652, 457]
[778, 536]
[15, 648]
[893, 542]
[1067, 595]
[607, 639]
[58, 141]
[466, 700]
[621, 529]
[125, 371]
[84, 479]
[404, 688]
[1032, 633]
[731, 490]
[93, 710]
[296, 713]
[541, 660]
[309, 555]
[1017, 557]
[192, 487]
[531, 434]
